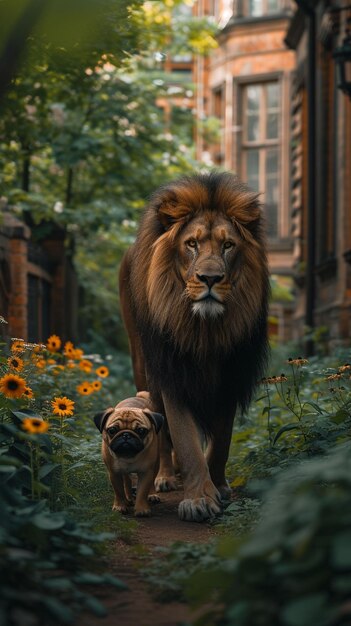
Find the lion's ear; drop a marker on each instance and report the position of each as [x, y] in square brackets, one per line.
[245, 214]
[170, 210]
[246, 208]
[252, 214]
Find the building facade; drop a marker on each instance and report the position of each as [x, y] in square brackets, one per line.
[321, 172]
[38, 285]
[247, 85]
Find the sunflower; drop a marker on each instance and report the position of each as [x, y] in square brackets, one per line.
[62, 406]
[34, 425]
[15, 363]
[70, 364]
[85, 388]
[53, 343]
[18, 346]
[51, 362]
[85, 365]
[28, 392]
[40, 363]
[102, 371]
[38, 348]
[68, 349]
[96, 385]
[58, 369]
[77, 353]
[12, 386]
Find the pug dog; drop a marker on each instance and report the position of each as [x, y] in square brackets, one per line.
[130, 445]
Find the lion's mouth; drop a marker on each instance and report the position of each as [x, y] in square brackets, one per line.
[211, 297]
[208, 306]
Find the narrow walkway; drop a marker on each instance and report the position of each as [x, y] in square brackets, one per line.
[137, 607]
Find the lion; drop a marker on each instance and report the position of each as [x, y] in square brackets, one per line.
[194, 290]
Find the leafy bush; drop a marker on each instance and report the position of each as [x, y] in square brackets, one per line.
[47, 398]
[287, 563]
[295, 570]
[299, 413]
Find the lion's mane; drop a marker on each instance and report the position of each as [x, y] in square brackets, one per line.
[210, 365]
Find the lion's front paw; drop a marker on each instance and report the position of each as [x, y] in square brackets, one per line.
[142, 511]
[166, 483]
[199, 509]
[153, 498]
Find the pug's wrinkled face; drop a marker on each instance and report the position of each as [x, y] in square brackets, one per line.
[127, 432]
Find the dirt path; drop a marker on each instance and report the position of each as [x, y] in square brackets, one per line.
[137, 607]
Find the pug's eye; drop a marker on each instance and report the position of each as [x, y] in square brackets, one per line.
[142, 432]
[112, 431]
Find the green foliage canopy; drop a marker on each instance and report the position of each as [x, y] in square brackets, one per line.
[84, 138]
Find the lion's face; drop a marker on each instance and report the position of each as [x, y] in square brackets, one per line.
[201, 251]
[207, 252]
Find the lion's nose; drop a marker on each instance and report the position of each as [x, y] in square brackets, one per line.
[210, 279]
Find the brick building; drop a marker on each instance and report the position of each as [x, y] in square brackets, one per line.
[38, 287]
[246, 84]
[321, 168]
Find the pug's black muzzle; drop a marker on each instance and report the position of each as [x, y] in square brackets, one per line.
[126, 444]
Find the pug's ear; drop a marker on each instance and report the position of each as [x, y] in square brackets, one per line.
[155, 418]
[100, 419]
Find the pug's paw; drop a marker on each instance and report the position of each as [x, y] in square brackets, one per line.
[120, 508]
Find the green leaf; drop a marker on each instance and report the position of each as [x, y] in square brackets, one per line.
[115, 582]
[6, 469]
[340, 416]
[315, 406]
[341, 550]
[48, 522]
[285, 429]
[85, 550]
[24, 413]
[58, 610]
[75, 466]
[7, 459]
[46, 469]
[308, 610]
[58, 584]
[87, 578]
[94, 605]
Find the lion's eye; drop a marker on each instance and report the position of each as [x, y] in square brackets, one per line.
[112, 431]
[191, 243]
[227, 245]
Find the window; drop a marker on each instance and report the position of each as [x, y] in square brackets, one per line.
[218, 111]
[213, 8]
[261, 8]
[260, 147]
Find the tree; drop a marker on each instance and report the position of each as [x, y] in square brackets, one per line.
[83, 141]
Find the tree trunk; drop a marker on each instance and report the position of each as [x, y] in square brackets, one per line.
[69, 187]
[17, 42]
[26, 171]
